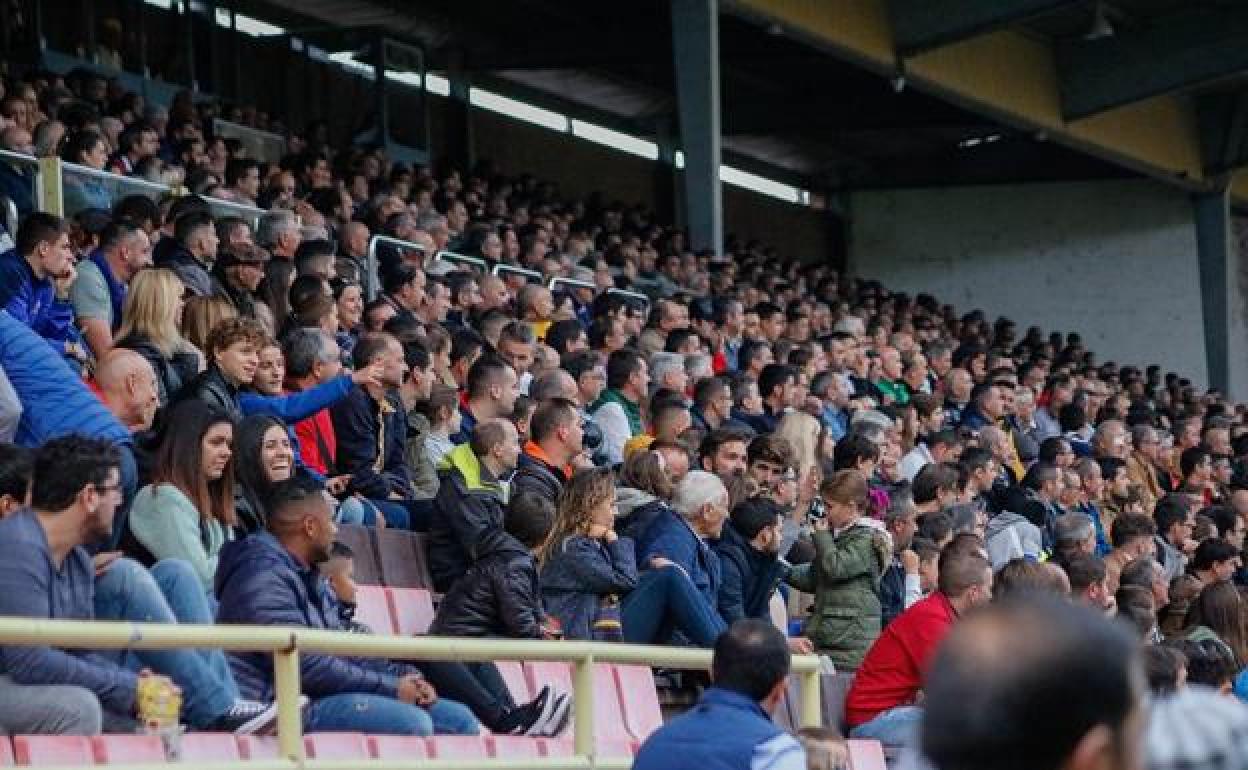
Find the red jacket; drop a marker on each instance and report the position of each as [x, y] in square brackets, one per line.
[892, 673]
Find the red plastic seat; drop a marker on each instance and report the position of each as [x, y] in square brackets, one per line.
[6, 752]
[606, 747]
[258, 747]
[412, 610]
[373, 609]
[458, 747]
[557, 675]
[403, 558]
[513, 675]
[514, 747]
[608, 713]
[336, 746]
[48, 750]
[398, 747]
[127, 749]
[209, 747]
[866, 755]
[640, 699]
[364, 551]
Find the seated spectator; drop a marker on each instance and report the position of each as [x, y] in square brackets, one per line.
[99, 292]
[129, 388]
[238, 271]
[1040, 679]
[1214, 561]
[1132, 536]
[46, 571]
[149, 327]
[271, 578]
[1088, 582]
[371, 436]
[882, 701]
[35, 280]
[187, 512]
[555, 441]
[233, 357]
[490, 391]
[749, 557]
[900, 585]
[441, 410]
[618, 410]
[263, 458]
[850, 558]
[194, 251]
[1219, 613]
[731, 726]
[468, 511]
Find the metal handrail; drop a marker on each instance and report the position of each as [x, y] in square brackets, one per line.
[10, 216]
[131, 181]
[555, 283]
[20, 157]
[286, 644]
[463, 259]
[645, 300]
[370, 261]
[532, 275]
[265, 145]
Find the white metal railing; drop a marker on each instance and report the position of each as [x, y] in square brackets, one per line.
[262, 145]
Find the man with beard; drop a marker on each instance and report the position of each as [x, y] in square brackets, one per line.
[47, 571]
[749, 556]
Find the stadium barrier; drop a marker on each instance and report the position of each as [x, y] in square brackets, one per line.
[505, 270]
[555, 283]
[286, 644]
[370, 260]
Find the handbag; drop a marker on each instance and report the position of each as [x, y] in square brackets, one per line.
[608, 623]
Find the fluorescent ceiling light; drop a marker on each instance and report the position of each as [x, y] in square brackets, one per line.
[436, 84]
[615, 139]
[761, 184]
[513, 108]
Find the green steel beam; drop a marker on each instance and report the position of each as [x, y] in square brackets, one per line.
[921, 25]
[1197, 46]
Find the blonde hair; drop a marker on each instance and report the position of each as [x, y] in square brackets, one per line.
[201, 315]
[584, 492]
[645, 470]
[151, 309]
[847, 486]
[802, 432]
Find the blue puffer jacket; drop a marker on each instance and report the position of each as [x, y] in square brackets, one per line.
[258, 582]
[670, 537]
[56, 402]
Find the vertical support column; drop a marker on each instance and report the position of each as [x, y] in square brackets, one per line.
[583, 706]
[289, 715]
[1220, 294]
[695, 49]
[458, 142]
[812, 712]
[48, 189]
[190, 46]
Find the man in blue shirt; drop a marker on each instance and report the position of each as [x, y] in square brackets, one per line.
[731, 726]
[35, 279]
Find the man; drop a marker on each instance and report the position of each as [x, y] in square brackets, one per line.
[35, 280]
[667, 370]
[936, 448]
[1110, 440]
[555, 441]
[47, 572]
[750, 565]
[535, 305]
[671, 316]
[272, 578]
[724, 452]
[958, 387]
[17, 181]
[128, 385]
[589, 374]
[313, 358]
[371, 435]
[776, 385]
[882, 704]
[1132, 536]
[404, 290]
[1059, 392]
[489, 392]
[890, 383]
[194, 252]
[468, 510]
[99, 291]
[731, 727]
[900, 584]
[1089, 582]
[242, 177]
[712, 404]
[1174, 534]
[233, 352]
[517, 345]
[1142, 465]
[435, 303]
[137, 143]
[618, 410]
[239, 271]
[1214, 561]
[280, 233]
[1060, 685]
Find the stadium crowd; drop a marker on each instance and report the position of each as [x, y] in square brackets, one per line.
[193, 405]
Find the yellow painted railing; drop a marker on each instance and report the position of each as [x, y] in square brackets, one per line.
[286, 644]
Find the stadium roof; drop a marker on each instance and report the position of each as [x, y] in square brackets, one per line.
[867, 93]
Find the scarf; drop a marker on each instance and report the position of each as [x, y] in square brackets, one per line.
[631, 409]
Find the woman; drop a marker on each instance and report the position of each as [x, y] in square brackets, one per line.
[265, 458]
[187, 512]
[1218, 613]
[644, 492]
[201, 315]
[86, 148]
[350, 300]
[803, 432]
[150, 318]
[851, 554]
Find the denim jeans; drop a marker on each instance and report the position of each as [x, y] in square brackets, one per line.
[412, 515]
[169, 593]
[357, 712]
[478, 686]
[48, 709]
[895, 728]
[665, 601]
[355, 510]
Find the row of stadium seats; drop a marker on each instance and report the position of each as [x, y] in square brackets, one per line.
[62, 750]
[389, 557]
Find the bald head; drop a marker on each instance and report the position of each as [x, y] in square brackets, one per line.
[129, 386]
[1044, 682]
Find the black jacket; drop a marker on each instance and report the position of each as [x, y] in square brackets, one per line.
[171, 372]
[534, 475]
[212, 387]
[467, 517]
[748, 577]
[497, 596]
[357, 420]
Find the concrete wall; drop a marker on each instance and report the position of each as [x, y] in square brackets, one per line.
[1115, 261]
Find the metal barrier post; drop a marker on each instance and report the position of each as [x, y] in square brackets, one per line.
[583, 708]
[812, 711]
[289, 716]
[48, 186]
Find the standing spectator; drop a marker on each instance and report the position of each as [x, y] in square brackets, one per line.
[35, 279]
[99, 292]
[731, 726]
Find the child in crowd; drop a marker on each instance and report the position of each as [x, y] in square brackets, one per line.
[340, 572]
[442, 410]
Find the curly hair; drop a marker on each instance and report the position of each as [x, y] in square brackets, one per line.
[580, 497]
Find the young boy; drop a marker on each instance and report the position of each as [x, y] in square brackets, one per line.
[929, 559]
[339, 571]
